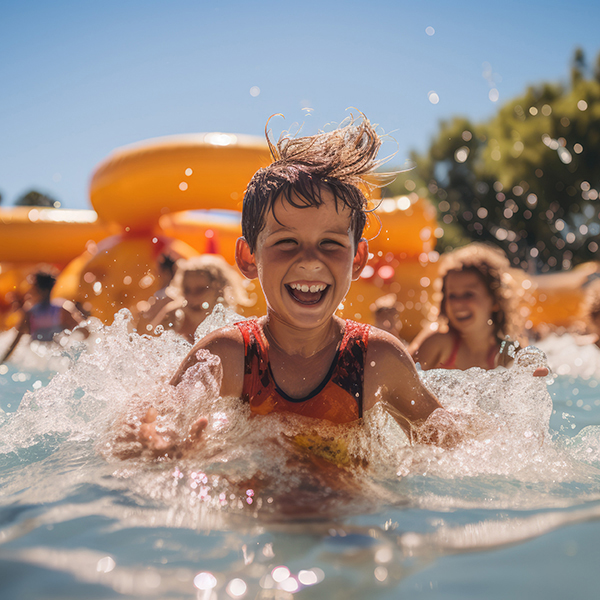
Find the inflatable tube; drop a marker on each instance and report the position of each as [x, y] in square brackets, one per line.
[140, 191]
[404, 226]
[215, 232]
[51, 235]
[138, 184]
[13, 287]
[556, 298]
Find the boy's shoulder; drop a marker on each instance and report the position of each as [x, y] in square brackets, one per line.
[386, 347]
[222, 340]
[390, 372]
[383, 338]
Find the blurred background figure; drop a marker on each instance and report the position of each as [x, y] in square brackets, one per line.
[477, 311]
[155, 304]
[386, 314]
[41, 317]
[198, 285]
[591, 315]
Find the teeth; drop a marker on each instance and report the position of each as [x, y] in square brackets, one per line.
[302, 287]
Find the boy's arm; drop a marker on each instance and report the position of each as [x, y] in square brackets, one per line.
[391, 376]
[226, 344]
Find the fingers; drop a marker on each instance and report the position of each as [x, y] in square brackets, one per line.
[150, 416]
[198, 427]
[195, 437]
[148, 436]
[541, 372]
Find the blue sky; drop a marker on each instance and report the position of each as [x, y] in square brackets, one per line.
[79, 79]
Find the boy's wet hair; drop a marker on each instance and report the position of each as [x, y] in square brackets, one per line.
[492, 267]
[340, 161]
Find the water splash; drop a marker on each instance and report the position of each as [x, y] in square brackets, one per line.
[277, 466]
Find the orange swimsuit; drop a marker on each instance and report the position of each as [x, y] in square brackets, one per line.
[338, 398]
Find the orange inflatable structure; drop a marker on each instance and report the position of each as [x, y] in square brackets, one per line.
[181, 195]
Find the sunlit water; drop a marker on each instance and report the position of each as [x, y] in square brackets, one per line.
[513, 511]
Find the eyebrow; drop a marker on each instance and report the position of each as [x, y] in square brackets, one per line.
[281, 228]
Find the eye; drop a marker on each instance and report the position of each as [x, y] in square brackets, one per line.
[285, 242]
[332, 243]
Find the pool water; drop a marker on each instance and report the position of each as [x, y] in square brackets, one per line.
[514, 511]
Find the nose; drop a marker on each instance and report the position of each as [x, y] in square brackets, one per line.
[459, 302]
[309, 261]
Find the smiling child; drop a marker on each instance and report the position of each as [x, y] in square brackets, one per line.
[198, 285]
[478, 307]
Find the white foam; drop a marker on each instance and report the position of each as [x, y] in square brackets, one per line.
[567, 356]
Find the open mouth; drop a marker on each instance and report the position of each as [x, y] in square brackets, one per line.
[460, 317]
[307, 294]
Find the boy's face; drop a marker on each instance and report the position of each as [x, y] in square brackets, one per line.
[305, 261]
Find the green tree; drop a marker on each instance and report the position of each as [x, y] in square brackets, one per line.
[35, 198]
[528, 178]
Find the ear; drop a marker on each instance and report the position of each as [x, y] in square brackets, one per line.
[360, 259]
[244, 259]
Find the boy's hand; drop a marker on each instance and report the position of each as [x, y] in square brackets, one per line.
[161, 444]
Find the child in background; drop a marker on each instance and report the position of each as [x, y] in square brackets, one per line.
[386, 315]
[478, 310]
[591, 315]
[43, 318]
[149, 310]
[198, 284]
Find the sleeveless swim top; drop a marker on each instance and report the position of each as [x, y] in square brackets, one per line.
[44, 321]
[338, 398]
[451, 362]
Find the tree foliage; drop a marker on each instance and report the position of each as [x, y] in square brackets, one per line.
[35, 198]
[527, 179]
